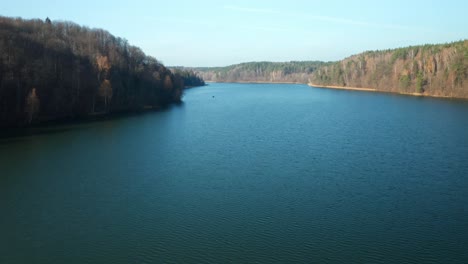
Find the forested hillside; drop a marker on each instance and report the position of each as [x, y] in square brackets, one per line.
[190, 78]
[294, 71]
[436, 70]
[57, 70]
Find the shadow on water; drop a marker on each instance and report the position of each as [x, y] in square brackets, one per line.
[8, 135]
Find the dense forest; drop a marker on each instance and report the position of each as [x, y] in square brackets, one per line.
[435, 70]
[58, 70]
[294, 72]
[189, 77]
[53, 70]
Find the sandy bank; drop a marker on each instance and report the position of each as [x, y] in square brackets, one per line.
[255, 82]
[375, 90]
[344, 87]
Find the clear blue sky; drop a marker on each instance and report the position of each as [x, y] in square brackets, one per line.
[218, 33]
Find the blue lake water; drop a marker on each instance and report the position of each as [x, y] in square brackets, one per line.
[244, 173]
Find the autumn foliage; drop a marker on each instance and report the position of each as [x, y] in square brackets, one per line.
[58, 70]
[436, 70]
[293, 71]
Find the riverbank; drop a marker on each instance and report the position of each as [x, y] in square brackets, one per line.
[255, 82]
[365, 89]
[344, 87]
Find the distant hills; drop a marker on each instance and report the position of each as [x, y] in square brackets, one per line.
[283, 72]
[435, 70]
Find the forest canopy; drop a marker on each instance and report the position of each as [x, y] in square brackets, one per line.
[293, 72]
[190, 78]
[436, 70]
[57, 70]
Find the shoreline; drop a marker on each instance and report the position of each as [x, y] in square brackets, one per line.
[256, 82]
[344, 87]
[349, 88]
[362, 89]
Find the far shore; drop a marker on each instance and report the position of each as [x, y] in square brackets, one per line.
[379, 91]
[254, 82]
[350, 88]
[344, 87]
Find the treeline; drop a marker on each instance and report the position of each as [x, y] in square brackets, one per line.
[436, 70]
[294, 72]
[58, 70]
[189, 77]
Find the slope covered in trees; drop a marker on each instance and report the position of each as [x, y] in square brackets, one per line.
[190, 78]
[56, 70]
[294, 71]
[435, 70]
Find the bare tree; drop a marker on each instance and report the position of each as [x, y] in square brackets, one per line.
[32, 106]
[168, 83]
[105, 90]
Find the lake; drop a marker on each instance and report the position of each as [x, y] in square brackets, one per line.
[244, 173]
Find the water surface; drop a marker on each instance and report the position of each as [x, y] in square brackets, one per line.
[244, 173]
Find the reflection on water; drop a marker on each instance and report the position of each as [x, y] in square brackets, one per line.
[243, 173]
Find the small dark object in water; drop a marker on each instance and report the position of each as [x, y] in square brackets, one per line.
[213, 96]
